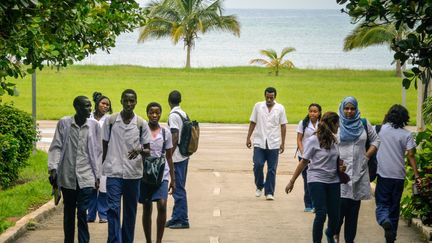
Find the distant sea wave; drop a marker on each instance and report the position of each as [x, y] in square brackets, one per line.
[317, 36]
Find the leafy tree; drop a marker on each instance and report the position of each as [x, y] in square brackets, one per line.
[274, 62]
[50, 32]
[365, 35]
[184, 20]
[416, 15]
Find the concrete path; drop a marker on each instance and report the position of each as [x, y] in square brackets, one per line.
[222, 203]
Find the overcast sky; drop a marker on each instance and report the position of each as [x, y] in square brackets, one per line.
[278, 4]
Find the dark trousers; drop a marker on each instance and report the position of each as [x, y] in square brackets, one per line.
[116, 189]
[98, 204]
[75, 205]
[260, 156]
[388, 194]
[180, 210]
[325, 198]
[306, 198]
[349, 211]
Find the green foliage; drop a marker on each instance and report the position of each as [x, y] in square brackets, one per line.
[17, 137]
[275, 63]
[420, 205]
[427, 110]
[32, 191]
[8, 160]
[37, 33]
[184, 20]
[416, 15]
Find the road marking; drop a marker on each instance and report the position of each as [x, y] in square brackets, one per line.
[214, 239]
[216, 191]
[216, 212]
[217, 174]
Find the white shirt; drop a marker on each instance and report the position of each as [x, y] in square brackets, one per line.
[102, 179]
[175, 122]
[308, 132]
[391, 154]
[156, 148]
[268, 125]
[124, 138]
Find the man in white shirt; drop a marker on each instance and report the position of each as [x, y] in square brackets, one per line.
[179, 218]
[73, 159]
[125, 136]
[269, 121]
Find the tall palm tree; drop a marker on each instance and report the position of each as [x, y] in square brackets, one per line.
[378, 34]
[274, 62]
[184, 20]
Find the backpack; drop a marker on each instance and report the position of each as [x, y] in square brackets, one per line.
[113, 118]
[373, 162]
[189, 138]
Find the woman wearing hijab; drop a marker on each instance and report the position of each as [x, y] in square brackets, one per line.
[352, 148]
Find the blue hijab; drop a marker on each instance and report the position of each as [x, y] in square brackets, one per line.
[349, 129]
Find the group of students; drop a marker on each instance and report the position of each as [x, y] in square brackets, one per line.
[96, 159]
[334, 143]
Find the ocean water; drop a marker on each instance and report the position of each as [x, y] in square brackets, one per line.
[317, 36]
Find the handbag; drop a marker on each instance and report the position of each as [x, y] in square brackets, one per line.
[154, 167]
[343, 177]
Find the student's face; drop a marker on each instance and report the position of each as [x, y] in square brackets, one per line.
[154, 114]
[270, 97]
[104, 106]
[128, 102]
[314, 113]
[83, 108]
[349, 111]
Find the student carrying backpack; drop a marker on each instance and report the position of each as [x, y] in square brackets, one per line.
[188, 142]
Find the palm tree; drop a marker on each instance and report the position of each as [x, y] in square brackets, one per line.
[184, 20]
[378, 34]
[275, 63]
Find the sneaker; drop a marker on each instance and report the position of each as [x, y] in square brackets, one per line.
[179, 226]
[308, 210]
[388, 233]
[258, 192]
[269, 197]
[169, 223]
[90, 220]
[103, 221]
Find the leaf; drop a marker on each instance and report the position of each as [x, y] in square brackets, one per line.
[406, 83]
[408, 74]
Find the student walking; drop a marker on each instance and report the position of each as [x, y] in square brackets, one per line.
[98, 200]
[160, 145]
[321, 153]
[268, 120]
[126, 137]
[73, 160]
[179, 218]
[305, 129]
[395, 142]
[352, 148]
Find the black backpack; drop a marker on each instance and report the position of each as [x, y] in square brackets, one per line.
[189, 138]
[373, 162]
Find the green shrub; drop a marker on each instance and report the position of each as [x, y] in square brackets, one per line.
[17, 130]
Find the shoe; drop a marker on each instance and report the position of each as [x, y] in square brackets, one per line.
[90, 220]
[388, 233]
[308, 210]
[169, 223]
[269, 197]
[330, 239]
[258, 192]
[103, 221]
[179, 226]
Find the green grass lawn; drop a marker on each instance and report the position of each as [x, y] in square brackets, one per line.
[32, 190]
[224, 95]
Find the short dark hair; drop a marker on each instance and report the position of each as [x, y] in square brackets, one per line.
[397, 116]
[129, 91]
[270, 90]
[174, 97]
[78, 100]
[153, 104]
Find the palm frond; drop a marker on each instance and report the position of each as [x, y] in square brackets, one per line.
[286, 50]
[364, 36]
[270, 53]
[260, 61]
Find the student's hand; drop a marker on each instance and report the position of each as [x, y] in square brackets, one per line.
[342, 166]
[97, 184]
[282, 148]
[53, 178]
[172, 187]
[134, 153]
[248, 143]
[289, 187]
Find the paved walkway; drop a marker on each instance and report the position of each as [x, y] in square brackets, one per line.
[222, 203]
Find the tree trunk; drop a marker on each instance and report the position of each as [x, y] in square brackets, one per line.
[398, 68]
[277, 72]
[188, 56]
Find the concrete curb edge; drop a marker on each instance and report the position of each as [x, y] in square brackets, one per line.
[20, 227]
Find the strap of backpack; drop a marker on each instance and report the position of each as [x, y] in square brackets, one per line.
[140, 124]
[365, 126]
[111, 121]
[164, 143]
[183, 119]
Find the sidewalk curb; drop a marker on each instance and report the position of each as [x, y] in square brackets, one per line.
[21, 226]
[426, 231]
